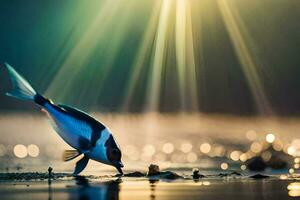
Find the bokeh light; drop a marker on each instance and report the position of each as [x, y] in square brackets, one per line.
[205, 148]
[149, 150]
[20, 151]
[256, 147]
[33, 150]
[235, 155]
[168, 148]
[186, 147]
[243, 157]
[251, 135]
[243, 167]
[224, 166]
[291, 171]
[294, 189]
[270, 138]
[192, 157]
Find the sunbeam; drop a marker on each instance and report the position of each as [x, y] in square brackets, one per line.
[181, 49]
[158, 59]
[143, 54]
[77, 59]
[185, 57]
[248, 63]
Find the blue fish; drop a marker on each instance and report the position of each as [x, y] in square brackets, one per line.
[85, 134]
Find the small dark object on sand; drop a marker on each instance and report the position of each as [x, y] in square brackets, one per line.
[50, 172]
[259, 176]
[153, 170]
[135, 174]
[154, 173]
[165, 175]
[196, 174]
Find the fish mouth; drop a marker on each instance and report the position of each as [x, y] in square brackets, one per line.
[119, 166]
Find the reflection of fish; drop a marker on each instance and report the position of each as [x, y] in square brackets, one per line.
[84, 190]
[81, 131]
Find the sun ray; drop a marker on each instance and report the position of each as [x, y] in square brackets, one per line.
[190, 62]
[78, 57]
[185, 57]
[143, 52]
[181, 50]
[153, 98]
[248, 63]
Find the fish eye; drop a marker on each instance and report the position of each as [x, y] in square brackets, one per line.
[115, 151]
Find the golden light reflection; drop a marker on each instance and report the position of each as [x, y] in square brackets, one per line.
[283, 177]
[206, 183]
[294, 189]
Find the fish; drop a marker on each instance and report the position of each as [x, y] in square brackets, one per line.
[85, 134]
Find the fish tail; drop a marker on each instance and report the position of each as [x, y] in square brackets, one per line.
[21, 89]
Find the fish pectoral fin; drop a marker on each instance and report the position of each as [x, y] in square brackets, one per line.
[70, 155]
[80, 165]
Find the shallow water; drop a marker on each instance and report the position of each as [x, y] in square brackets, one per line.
[142, 189]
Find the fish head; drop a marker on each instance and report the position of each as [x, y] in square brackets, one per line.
[114, 154]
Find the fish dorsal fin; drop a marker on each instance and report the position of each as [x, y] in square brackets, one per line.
[75, 112]
[81, 115]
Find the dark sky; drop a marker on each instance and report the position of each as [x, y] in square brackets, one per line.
[36, 38]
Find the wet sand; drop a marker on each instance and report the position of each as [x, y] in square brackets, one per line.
[229, 187]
